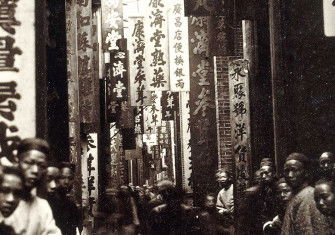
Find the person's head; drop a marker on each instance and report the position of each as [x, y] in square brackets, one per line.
[11, 190]
[223, 177]
[326, 164]
[324, 197]
[284, 191]
[32, 154]
[267, 174]
[53, 176]
[266, 162]
[66, 176]
[296, 170]
[210, 201]
[167, 190]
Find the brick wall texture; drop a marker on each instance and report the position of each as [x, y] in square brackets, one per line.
[223, 106]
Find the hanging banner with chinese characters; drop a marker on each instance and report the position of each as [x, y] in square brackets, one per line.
[91, 158]
[202, 107]
[112, 25]
[152, 114]
[127, 115]
[157, 46]
[116, 150]
[88, 86]
[209, 7]
[138, 114]
[185, 137]
[178, 47]
[17, 74]
[240, 122]
[139, 94]
[117, 74]
[163, 134]
[169, 104]
[220, 43]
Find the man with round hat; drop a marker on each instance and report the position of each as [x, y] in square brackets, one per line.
[302, 215]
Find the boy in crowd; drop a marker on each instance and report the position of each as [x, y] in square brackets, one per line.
[11, 192]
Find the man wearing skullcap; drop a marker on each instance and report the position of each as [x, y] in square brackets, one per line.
[33, 215]
[302, 215]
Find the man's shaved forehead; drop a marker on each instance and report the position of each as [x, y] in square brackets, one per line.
[330, 155]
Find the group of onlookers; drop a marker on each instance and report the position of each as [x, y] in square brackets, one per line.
[21, 210]
[294, 204]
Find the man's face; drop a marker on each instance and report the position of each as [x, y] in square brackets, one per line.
[210, 201]
[34, 164]
[326, 164]
[222, 178]
[66, 179]
[294, 173]
[266, 173]
[324, 199]
[11, 191]
[53, 175]
[284, 192]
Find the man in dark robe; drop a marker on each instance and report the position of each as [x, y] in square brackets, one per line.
[172, 217]
[301, 216]
[284, 195]
[67, 215]
[259, 205]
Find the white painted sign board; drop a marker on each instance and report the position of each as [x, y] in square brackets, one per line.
[329, 17]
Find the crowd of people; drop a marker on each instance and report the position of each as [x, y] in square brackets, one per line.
[292, 204]
[301, 202]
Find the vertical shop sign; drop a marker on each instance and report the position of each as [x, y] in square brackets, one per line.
[87, 86]
[220, 43]
[169, 104]
[153, 114]
[240, 122]
[138, 120]
[116, 155]
[185, 136]
[178, 47]
[112, 24]
[117, 74]
[202, 107]
[209, 7]
[156, 41]
[17, 74]
[164, 134]
[139, 94]
[114, 49]
[92, 172]
[329, 17]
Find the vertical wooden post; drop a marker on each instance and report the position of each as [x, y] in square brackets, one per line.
[73, 93]
[278, 82]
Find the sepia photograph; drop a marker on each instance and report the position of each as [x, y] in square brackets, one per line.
[167, 117]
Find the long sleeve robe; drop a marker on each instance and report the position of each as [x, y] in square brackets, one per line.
[302, 216]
